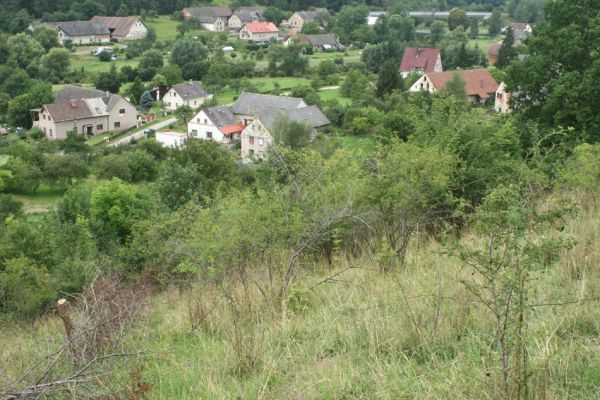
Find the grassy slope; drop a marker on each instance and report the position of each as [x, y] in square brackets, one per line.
[414, 333]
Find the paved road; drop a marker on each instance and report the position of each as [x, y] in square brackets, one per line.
[138, 134]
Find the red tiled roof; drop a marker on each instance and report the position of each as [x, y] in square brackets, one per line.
[230, 129]
[479, 82]
[262, 27]
[419, 58]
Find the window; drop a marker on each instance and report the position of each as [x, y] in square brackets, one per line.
[121, 111]
[261, 142]
[44, 116]
[209, 135]
[194, 132]
[205, 121]
[251, 139]
[251, 153]
[117, 124]
[99, 127]
[198, 120]
[50, 131]
[194, 102]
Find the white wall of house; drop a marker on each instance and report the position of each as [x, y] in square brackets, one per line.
[172, 100]
[58, 130]
[234, 22]
[502, 101]
[218, 25]
[423, 83]
[171, 139]
[255, 139]
[201, 127]
[89, 39]
[137, 31]
[122, 116]
[246, 34]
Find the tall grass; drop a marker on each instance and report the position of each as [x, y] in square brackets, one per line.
[413, 333]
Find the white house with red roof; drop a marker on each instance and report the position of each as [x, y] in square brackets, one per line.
[421, 60]
[259, 32]
[215, 123]
[480, 85]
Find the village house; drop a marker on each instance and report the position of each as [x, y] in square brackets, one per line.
[322, 42]
[122, 28]
[521, 31]
[88, 116]
[243, 15]
[215, 123]
[480, 86]
[420, 60]
[79, 32]
[190, 93]
[257, 137]
[259, 32]
[295, 22]
[213, 19]
[502, 100]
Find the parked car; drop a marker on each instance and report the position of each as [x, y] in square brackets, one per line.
[149, 132]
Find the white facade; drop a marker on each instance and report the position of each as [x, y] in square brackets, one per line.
[247, 34]
[502, 100]
[218, 25]
[423, 83]
[86, 39]
[172, 101]
[200, 126]
[171, 139]
[138, 31]
[255, 139]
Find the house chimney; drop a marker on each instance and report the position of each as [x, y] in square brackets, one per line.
[73, 103]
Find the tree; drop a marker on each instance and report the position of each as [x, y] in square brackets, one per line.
[411, 188]
[74, 143]
[135, 91]
[63, 169]
[108, 81]
[326, 69]
[558, 96]
[355, 85]
[474, 31]
[289, 133]
[310, 28]
[172, 74]
[389, 79]
[24, 287]
[46, 36]
[20, 21]
[115, 207]
[113, 166]
[507, 51]
[458, 17]
[25, 49]
[105, 56]
[9, 206]
[438, 30]
[179, 184]
[184, 113]
[56, 63]
[146, 101]
[186, 52]
[274, 14]
[142, 165]
[19, 108]
[495, 22]
[25, 176]
[456, 86]
[151, 60]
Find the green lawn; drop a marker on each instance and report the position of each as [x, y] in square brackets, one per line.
[264, 85]
[92, 64]
[44, 199]
[330, 94]
[166, 28]
[484, 42]
[359, 145]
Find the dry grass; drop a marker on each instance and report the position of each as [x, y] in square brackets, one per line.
[414, 333]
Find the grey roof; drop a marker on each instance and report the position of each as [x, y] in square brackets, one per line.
[80, 28]
[208, 14]
[220, 115]
[248, 14]
[71, 92]
[255, 103]
[323, 39]
[82, 108]
[310, 115]
[307, 15]
[190, 90]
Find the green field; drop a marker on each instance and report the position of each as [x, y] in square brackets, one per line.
[166, 28]
[44, 199]
[331, 94]
[92, 64]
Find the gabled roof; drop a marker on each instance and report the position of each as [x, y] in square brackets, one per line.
[249, 14]
[82, 108]
[256, 103]
[420, 58]
[310, 115]
[207, 14]
[261, 27]
[478, 82]
[119, 26]
[190, 90]
[310, 15]
[71, 92]
[231, 129]
[80, 28]
[323, 39]
[220, 116]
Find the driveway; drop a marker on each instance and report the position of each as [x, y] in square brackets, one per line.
[140, 133]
